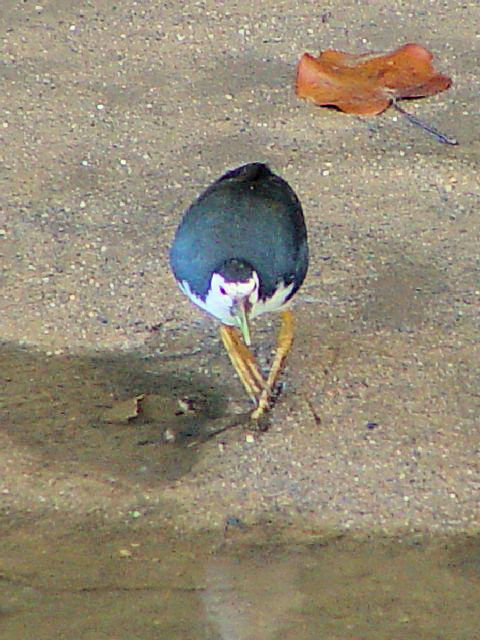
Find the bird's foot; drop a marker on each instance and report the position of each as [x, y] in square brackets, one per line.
[263, 406]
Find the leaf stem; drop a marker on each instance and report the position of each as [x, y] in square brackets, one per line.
[441, 137]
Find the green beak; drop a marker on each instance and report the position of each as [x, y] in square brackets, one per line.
[241, 316]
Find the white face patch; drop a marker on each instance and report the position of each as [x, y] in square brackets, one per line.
[223, 295]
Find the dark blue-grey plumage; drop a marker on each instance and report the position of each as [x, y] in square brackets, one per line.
[249, 215]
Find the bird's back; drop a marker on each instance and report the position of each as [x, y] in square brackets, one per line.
[249, 214]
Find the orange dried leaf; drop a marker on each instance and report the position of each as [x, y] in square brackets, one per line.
[368, 83]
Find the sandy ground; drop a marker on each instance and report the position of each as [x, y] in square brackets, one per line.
[113, 118]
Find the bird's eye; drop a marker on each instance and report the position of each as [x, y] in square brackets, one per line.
[223, 291]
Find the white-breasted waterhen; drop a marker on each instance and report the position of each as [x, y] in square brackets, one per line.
[241, 250]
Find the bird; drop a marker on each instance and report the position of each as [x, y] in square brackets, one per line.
[241, 250]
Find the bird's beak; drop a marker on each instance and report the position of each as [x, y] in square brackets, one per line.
[242, 308]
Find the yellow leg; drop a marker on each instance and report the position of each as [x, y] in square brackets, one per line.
[243, 361]
[284, 344]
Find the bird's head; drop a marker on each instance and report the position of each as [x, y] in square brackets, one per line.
[234, 291]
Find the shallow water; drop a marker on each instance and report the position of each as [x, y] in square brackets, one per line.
[92, 582]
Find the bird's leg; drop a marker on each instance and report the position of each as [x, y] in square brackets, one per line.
[243, 362]
[284, 344]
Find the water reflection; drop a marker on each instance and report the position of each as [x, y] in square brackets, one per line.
[346, 589]
[257, 597]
